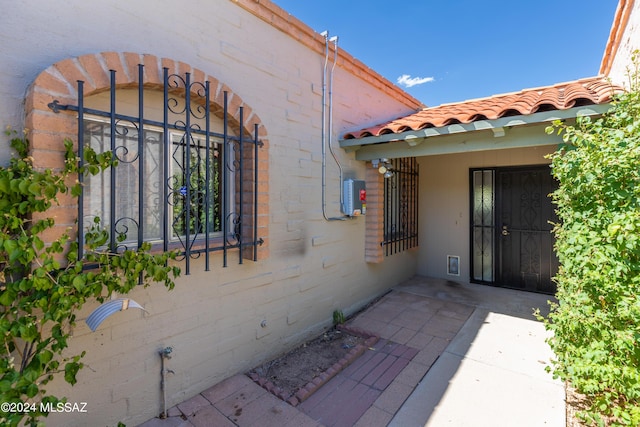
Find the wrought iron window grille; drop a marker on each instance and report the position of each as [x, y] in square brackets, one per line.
[401, 206]
[178, 183]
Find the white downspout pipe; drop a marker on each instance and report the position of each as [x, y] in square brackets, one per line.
[325, 34]
[334, 39]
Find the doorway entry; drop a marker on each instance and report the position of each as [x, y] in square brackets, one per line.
[511, 239]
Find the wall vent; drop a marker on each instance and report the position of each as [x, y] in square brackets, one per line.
[453, 265]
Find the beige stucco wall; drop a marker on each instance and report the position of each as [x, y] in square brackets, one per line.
[444, 202]
[629, 42]
[213, 319]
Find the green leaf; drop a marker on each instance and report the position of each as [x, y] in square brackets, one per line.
[76, 190]
[613, 229]
[6, 298]
[50, 191]
[28, 332]
[35, 189]
[79, 282]
[4, 184]
[23, 186]
[15, 254]
[45, 356]
[10, 245]
[30, 374]
[32, 390]
[5, 386]
[70, 371]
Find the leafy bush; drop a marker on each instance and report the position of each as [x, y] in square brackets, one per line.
[596, 323]
[43, 284]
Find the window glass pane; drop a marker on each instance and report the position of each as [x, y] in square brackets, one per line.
[192, 200]
[487, 198]
[483, 225]
[483, 198]
[483, 254]
[477, 254]
[97, 189]
[123, 189]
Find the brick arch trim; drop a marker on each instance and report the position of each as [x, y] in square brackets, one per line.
[47, 129]
[59, 82]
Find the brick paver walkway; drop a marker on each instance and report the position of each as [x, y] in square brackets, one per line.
[414, 331]
[347, 396]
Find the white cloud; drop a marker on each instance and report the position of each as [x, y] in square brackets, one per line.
[407, 81]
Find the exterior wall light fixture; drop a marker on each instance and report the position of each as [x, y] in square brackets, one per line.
[384, 167]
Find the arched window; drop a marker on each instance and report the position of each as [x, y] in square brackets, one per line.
[189, 157]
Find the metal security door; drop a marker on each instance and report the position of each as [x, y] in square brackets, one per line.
[524, 242]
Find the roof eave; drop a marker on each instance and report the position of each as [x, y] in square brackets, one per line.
[415, 137]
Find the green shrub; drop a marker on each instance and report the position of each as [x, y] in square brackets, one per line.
[596, 323]
[43, 284]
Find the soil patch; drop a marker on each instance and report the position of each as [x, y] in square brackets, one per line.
[294, 376]
[577, 402]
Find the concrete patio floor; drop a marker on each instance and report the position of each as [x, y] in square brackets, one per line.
[450, 354]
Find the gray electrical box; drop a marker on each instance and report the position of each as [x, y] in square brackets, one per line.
[355, 197]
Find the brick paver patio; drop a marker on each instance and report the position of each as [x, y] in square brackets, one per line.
[414, 331]
[344, 399]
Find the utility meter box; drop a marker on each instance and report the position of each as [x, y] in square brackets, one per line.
[355, 197]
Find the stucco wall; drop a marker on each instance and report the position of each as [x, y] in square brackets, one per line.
[444, 203]
[629, 42]
[213, 319]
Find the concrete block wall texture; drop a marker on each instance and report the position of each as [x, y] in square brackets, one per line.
[230, 319]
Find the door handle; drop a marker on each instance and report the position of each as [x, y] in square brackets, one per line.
[505, 230]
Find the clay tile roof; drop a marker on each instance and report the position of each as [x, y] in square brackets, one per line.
[561, 96]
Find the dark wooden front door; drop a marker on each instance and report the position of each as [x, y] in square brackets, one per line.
[524, 242]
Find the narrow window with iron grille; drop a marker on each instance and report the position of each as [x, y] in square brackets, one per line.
[401, 206]
[183, 180]
[483, 225]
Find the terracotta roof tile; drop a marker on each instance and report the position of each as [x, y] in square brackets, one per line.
[561, 96]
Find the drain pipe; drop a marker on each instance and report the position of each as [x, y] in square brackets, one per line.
[334, 39]
[165, 353]
[325, 34]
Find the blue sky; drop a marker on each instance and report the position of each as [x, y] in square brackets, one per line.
[463, 49]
